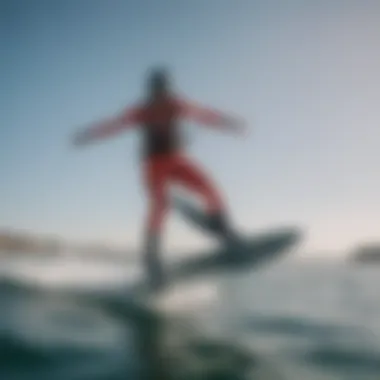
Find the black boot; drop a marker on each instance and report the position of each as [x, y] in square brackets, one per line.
[220, 225]
[234, 243]
[152, 262]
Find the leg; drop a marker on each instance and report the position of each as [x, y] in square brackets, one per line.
[190, 175]
[156, 182]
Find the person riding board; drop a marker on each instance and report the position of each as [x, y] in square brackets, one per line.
[163, 159]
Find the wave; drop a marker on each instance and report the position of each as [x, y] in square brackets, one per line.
[295, 326]
[334, 357]
[10, 287]
[16, 353]
[24, 360]
[331, 346]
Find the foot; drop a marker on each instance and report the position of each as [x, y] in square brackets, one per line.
[219, 224]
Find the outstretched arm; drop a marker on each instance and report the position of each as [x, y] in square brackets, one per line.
[211, 117]
[108, 127]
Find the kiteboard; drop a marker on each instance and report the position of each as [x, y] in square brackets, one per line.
[253, 252]
[248, 255]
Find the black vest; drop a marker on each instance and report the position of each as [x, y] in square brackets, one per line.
[160, 140]
[161, 130]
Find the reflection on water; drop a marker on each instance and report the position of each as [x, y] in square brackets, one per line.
[319, 321]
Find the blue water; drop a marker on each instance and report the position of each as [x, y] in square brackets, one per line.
[311, 319]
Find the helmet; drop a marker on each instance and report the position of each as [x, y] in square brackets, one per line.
[158, 79]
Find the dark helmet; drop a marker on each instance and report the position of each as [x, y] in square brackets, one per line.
[158, 79]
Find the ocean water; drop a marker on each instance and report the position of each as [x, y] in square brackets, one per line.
[309, 319]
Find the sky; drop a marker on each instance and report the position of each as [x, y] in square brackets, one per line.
[303, 74]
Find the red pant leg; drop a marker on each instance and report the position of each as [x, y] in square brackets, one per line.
[156, 171]
[194, 178]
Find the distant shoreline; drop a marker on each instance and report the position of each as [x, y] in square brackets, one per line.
[366, 254]
[20, 243]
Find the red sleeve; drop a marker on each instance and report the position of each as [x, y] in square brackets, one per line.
[202, 114]
[106, 128]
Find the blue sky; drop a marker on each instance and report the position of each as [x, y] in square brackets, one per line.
[304, 74]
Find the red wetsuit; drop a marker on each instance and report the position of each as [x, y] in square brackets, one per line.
[163, 161]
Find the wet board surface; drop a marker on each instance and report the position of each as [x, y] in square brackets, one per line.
[139, 302]
[256, 249]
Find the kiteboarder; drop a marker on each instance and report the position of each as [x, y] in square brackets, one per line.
[158, 118]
